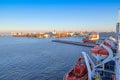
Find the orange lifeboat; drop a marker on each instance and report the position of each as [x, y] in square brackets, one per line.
[99, 50]
[105, 43]
[71, 76]
[79, 72]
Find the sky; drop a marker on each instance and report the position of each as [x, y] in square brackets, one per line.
[59, 15]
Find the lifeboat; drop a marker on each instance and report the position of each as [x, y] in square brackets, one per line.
[99, 50]
[79, 72]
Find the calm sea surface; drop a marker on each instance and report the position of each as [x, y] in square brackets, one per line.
[36, 59]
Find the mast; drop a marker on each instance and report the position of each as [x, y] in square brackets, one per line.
[117, 60]
[117, 32]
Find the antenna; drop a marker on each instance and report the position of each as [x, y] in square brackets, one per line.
[118, 15]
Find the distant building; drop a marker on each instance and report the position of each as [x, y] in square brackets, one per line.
[40, 35]
[70, 33]
[46, 36]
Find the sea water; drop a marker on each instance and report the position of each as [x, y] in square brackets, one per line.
[37, 59]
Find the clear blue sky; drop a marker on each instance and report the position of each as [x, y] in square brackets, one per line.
[64, 15]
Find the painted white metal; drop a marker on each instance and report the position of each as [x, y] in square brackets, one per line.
[99, 56]
[93, 73]
[110, 56]
[88, 66]
[93, 65]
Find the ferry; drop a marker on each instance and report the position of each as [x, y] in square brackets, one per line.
[102, 63]
[92, 37]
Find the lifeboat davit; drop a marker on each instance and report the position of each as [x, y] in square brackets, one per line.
[107, 44]
[99, 50]
[79, 72]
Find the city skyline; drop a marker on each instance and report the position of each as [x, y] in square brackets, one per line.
[61, 15]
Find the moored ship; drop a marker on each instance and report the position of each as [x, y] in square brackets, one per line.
[92, 37]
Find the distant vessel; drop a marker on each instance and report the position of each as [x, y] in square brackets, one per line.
[103, 63]
[92, 37]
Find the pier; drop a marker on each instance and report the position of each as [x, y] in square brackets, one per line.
[75, 43]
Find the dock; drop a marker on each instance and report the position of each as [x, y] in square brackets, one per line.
[75, 43]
